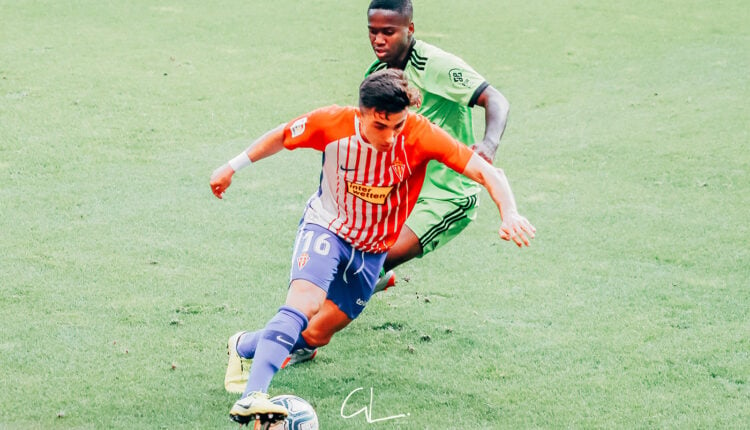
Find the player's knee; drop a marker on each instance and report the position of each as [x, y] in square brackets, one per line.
[306, 297]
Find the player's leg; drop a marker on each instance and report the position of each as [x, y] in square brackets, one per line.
[280, 334]
[346, 300]
[432, 224]
[329, 320]
[313, 270]
[322, 326]
[276, 341]
[407, 247]
[241, 346]
[241, 349]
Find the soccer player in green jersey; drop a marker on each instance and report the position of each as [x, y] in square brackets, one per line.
[450, 88]
[448, 201]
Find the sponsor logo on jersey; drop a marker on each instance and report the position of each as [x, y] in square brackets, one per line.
[298, 127]
[361, 302]
[368, 193]
[302, 260]
[458, 78]
[398, 168]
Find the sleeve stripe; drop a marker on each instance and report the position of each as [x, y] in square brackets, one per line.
[477, 93]
[418, 58]
[417, 61]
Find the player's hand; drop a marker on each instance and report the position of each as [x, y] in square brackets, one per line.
[517, 228]
[484, 152]
[221, 179]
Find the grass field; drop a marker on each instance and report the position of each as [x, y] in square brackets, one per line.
[121, 276]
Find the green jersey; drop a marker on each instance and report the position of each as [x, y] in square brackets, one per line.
[449, 88]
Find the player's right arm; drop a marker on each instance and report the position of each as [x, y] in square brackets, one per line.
[514, 226]
[265, 146]
[306, 131]
[444, 148]
[453, 79]
[496, 108]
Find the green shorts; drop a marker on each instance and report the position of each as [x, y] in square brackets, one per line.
[437, 222]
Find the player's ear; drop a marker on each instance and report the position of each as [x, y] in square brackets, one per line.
[411, 28]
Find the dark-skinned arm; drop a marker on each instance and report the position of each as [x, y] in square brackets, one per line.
[496, 108]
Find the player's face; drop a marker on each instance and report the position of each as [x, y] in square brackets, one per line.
[380, 129]
[390, 35]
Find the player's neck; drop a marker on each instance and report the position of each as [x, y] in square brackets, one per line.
[403, 59]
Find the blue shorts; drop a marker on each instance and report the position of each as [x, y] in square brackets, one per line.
[346, 274]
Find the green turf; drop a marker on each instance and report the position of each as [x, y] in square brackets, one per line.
[121, 276]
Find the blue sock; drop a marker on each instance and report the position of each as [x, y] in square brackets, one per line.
[301, 343]
[275, 342]
[248, 343]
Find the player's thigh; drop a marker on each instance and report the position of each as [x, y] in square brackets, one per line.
[352, 288]
[317, 255]
[437, 222]
[345, 274]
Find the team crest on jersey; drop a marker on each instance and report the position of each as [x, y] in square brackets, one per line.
[368, 193]
[398, 168]
[298, 127]
[302, 260]
[459, 78]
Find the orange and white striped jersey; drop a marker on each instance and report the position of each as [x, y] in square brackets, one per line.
[364, 195]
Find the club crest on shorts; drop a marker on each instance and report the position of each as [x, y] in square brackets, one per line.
[302, 260]
[398, 168]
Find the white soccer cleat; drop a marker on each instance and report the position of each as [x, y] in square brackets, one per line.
[257, 406]
[300, 355]
[385, 282]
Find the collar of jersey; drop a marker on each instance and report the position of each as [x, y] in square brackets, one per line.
[408, 54]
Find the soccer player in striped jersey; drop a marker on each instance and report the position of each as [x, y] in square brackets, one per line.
[448, 201]
[374, 160]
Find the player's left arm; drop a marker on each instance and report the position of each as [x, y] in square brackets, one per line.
[496, 108]
[514, 226]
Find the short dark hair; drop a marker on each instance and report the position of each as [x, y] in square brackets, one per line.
[387, 91]
[402, 7]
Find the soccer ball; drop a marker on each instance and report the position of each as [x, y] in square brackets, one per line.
[301, 416]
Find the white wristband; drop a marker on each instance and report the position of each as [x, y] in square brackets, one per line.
[240, 161]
